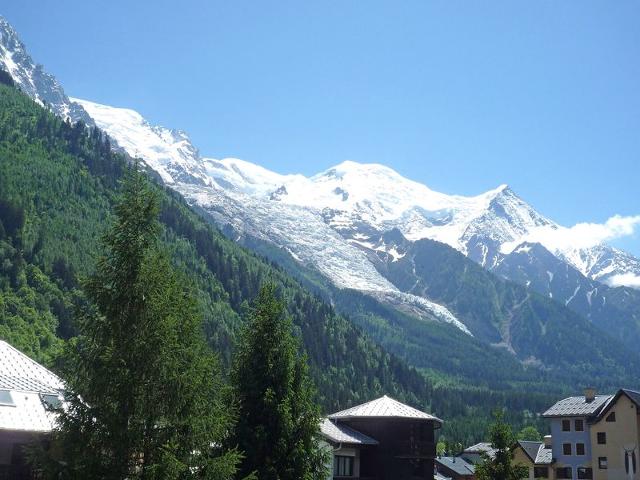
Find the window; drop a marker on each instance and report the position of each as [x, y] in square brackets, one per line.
[566, 425]
[579, 425]
[602, 463]
[50, 401]
[564, 472]
[342, 466]
[541, 472]
[566, 449]
[5, 398]
[602, 438]
[579, 448]
[584, 472]
[611, 417]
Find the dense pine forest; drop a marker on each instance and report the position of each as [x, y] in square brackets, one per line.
[58, 185]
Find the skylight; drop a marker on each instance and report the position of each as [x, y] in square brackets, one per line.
[5, 399]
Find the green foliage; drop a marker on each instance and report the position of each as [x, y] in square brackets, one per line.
[501, 466]
[145, 398]
[278, 421]
[530, 433]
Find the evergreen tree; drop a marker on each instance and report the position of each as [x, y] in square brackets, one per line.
[278, 421]
[500, 467]
[147, 397]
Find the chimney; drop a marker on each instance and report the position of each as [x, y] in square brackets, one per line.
[547, 441]
[589, 394]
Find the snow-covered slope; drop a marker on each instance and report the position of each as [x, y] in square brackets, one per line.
[32, 79]
[169, 152]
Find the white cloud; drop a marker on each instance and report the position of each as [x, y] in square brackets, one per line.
[625, 279]
[581, 235]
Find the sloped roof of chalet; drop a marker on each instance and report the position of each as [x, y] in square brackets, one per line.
[384, 407]
[631, 394]
[19, 372]
[482, 447]
[544, 456]
[577, 407]
[338, 433]
[537, 452]
[23, 383]
[456, 464]
[530, 448]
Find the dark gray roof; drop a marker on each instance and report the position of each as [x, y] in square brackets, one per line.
[530, 448]
[457, 465]
[577, 407]
[383, 407]
[633, 395]
[338, 433]
[537, 452]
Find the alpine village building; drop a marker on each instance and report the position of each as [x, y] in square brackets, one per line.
[592, 437]
[382, 440]
[27, 391]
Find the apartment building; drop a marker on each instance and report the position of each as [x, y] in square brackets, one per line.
[595, 436]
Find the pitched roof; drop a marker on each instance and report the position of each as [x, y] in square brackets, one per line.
[26, 387]
[530, 448]
[537, 452]
[544, 456]
[19, 372]
[482, 447]
[631, 394]
[456, 464]
[339, 433]
[383, 407]
[577, 407]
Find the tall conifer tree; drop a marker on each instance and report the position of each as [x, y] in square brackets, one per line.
[145, 395]
[500, 466]
[278, 420]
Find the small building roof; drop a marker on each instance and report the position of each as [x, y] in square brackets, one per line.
[479, 448]
[537, 452]
[338, 433]
[384, 407]
[577, 407]
[544, 456]
[26, 388]
[530, 448]
[456, 464]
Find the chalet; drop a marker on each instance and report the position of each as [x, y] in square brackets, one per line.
[27, 390]
[382, 440]
[536, 456]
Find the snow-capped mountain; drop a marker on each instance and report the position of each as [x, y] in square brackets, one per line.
[350, 220]
[33, 79]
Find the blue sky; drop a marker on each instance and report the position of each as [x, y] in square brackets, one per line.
[462, 96]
